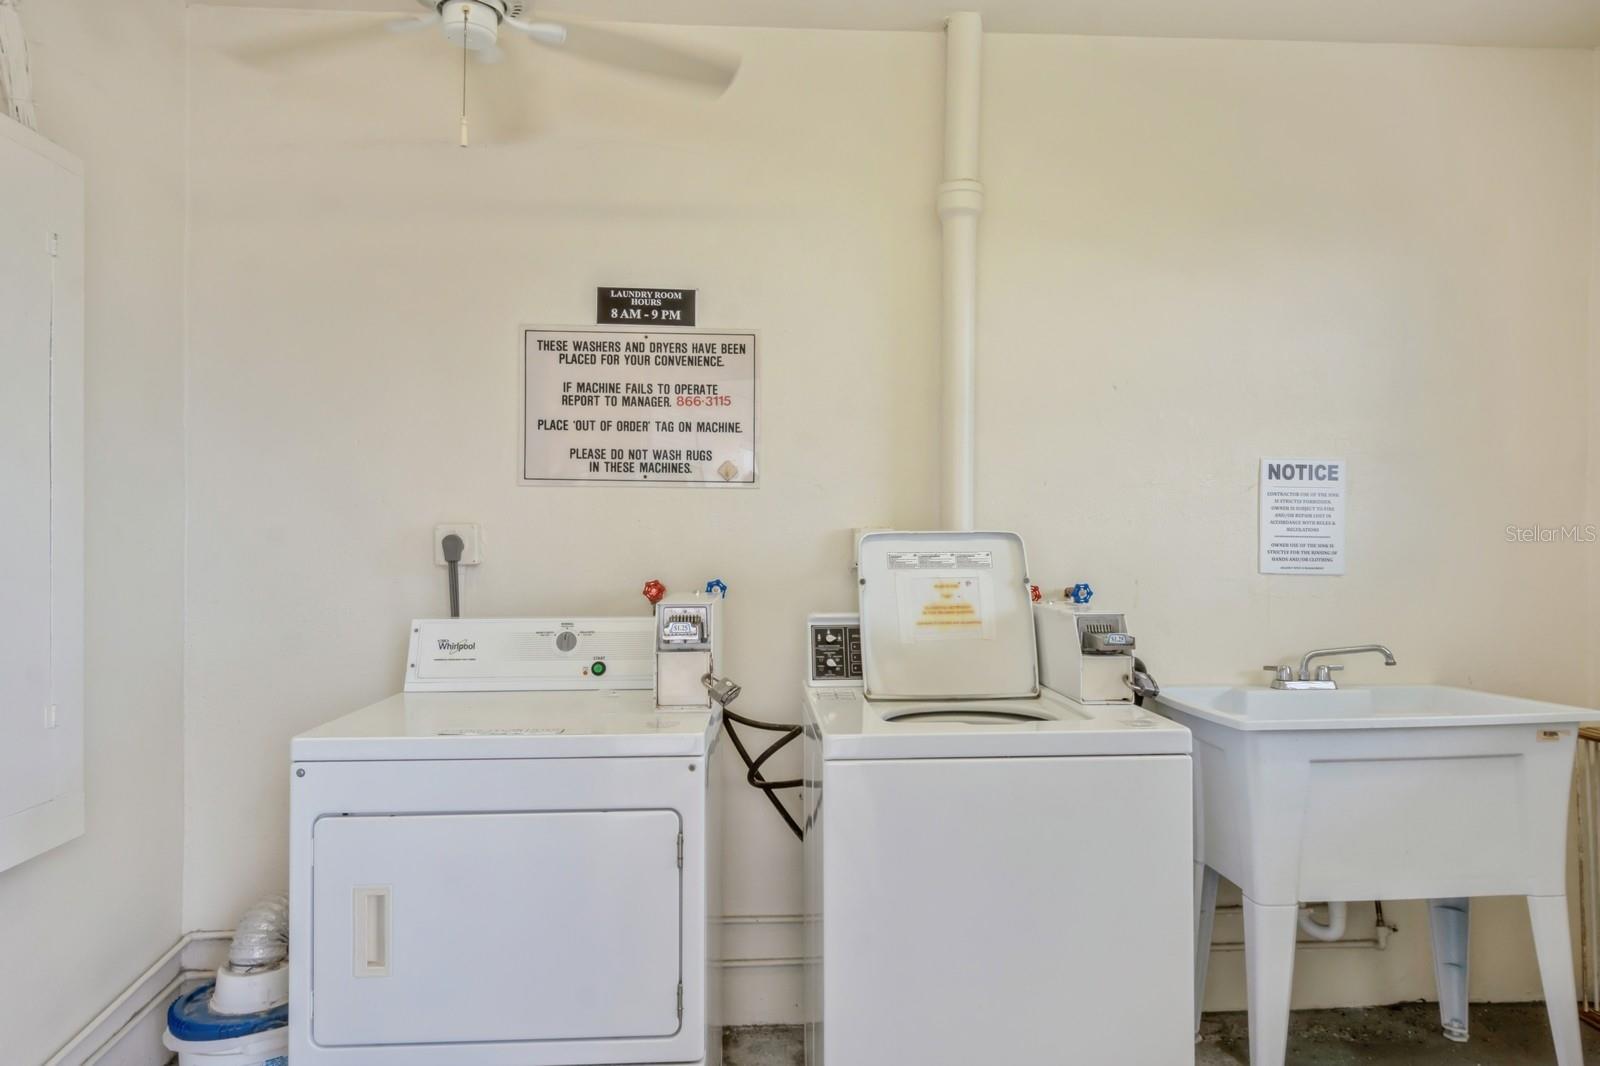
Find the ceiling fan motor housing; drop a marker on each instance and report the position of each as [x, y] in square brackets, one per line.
[472, 24]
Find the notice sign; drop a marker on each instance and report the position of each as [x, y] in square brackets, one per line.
[1302, 516]
[674, 407]
[659, 307]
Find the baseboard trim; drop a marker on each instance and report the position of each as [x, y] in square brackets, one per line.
[128, 1031]
[762, 941]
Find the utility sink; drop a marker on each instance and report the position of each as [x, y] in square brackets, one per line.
[1380, 793]
[1379, 707]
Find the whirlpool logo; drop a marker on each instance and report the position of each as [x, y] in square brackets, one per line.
[453, 646]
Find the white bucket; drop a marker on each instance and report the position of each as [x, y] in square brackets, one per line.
[270, 1048]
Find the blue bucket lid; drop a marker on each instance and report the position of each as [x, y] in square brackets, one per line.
[191, 1018]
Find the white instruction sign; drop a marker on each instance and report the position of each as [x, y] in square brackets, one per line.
[1302, 516]
[668, 406]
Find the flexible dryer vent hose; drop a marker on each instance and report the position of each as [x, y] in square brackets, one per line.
[261, 939]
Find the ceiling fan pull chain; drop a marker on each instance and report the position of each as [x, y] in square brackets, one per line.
[465, 28]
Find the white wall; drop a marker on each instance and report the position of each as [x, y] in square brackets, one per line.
[80, 922]
[1195, 254]
[1371, 252]
[1592, 486]
[358, 282]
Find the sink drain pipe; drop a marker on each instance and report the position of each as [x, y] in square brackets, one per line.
[960, 204]
[1334, 930]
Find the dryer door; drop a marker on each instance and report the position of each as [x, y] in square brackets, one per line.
[441, 929]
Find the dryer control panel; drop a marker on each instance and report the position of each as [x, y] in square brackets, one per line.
[834, 649]
[530, 654]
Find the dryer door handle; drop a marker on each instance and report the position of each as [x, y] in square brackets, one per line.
[372, 926]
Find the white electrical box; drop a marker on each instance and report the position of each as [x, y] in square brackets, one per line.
[41, 495]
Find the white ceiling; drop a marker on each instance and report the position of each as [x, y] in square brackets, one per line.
[1544, 23]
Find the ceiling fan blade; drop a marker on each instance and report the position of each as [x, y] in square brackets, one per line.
[308, 43]
[704, 69]
[543, 32]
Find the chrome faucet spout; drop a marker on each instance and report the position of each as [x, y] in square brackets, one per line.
[1352, 649]
[1284, 677]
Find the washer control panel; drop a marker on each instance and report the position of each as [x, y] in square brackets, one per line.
[834, 649]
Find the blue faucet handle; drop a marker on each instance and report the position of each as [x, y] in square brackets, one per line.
[1081, 593]
[717, 585]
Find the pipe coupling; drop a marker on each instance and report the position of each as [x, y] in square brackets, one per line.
[964, 196]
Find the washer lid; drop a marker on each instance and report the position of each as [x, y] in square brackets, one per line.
[849, 728]
[946, 615]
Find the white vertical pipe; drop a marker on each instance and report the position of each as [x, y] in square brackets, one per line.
[960, 204]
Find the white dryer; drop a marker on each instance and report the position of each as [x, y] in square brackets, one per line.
[509, 864]
[994, 873]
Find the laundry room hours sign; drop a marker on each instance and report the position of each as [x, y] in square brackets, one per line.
[645, 407]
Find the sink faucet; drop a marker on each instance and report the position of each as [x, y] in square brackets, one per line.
[1285, 676]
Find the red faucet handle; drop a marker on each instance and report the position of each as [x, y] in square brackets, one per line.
[654, 591]
[1035, 594]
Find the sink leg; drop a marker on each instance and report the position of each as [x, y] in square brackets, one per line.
[1269, 936]
[1205, 902]
[1552, 941]
[1448, 921]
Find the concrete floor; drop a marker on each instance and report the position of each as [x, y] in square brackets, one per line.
[1503, 1034]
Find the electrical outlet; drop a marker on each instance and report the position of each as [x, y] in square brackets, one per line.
[471, 536]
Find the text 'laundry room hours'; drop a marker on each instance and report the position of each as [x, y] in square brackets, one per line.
[613, 405]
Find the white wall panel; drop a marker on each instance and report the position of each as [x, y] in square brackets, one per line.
[79, 923]
[41, 495]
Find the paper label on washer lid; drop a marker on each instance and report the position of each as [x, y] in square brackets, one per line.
[941, 560]
[952, 606]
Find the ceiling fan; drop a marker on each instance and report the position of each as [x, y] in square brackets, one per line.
[483, 30]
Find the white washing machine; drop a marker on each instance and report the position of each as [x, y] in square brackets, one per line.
[994, 873]
[510, 863]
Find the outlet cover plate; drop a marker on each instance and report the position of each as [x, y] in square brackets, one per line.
[471, 535]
